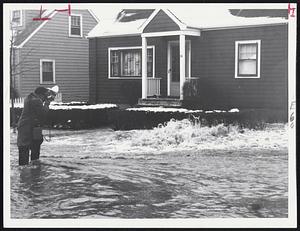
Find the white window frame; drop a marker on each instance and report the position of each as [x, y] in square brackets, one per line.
[130, 48]
[41, 71]
[258, 42]
[21, 17]
[72, 35]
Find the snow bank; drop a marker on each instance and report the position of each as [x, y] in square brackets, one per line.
[63, 106]
[181, 110]
[82, 107]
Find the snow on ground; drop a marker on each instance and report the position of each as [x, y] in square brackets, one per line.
[82, 107]
[181, 110]
[61, 106]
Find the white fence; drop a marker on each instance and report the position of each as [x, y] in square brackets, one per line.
[153, 86]
[20, 101]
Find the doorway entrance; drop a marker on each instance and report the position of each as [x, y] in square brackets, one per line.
[174, 66]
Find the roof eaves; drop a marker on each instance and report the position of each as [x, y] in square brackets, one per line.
[113, 35]
[181, 25]
[93, 14]
[35, 31]
[143, 26]
[241, 26]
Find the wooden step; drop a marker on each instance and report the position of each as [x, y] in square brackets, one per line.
[161, 102]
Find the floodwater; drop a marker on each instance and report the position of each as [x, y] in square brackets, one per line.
[178, 170]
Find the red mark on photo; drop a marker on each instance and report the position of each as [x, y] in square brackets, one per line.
[40, 18]
[291, 10]
[68, 9]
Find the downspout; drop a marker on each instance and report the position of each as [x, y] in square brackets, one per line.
[96, 76]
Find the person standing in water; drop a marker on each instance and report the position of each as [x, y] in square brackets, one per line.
[30, 138]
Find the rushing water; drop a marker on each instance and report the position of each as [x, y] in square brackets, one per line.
[179, 170]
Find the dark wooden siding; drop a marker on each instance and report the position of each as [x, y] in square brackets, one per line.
[161, 22]
[71, 57]
[213, 57]
[108, 90]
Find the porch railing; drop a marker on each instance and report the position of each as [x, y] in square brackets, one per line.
[153, 86]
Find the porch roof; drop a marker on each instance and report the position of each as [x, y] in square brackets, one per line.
[190, 16]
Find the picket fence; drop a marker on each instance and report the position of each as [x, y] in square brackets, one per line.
[20, 101]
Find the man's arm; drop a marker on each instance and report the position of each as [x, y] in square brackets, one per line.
[39, 109]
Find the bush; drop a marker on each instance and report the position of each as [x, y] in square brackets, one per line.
[202, 94]
[131, 91]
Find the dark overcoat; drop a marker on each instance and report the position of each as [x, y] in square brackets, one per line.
[33, 115]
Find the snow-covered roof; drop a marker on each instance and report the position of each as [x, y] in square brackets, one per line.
[217, 17]
[128, 22]
[192, 15]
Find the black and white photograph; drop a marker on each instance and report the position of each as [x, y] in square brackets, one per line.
[129, 115]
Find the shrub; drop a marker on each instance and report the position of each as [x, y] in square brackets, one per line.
[132, 91]
[202, 94]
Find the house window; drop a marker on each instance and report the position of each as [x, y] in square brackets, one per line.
[75, 25]
[16, 18]
[47, 71]
[247, 59]
[127, 62]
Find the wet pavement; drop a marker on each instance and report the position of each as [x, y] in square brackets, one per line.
[83, 174]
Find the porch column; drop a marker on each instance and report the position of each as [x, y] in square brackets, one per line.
[144, 67]
[182, 63]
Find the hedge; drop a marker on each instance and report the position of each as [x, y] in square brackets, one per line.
[122, 119]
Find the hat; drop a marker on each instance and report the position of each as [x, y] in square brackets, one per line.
[41, 90]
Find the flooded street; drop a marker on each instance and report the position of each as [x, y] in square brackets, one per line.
[175, 171]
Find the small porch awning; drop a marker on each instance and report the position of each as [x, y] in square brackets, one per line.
[164, 23]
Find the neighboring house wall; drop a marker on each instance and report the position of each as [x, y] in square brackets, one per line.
[161, 22]
[213, 57]
[103, 89]
[52, 42]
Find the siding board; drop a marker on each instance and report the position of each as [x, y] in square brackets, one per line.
[71, 57]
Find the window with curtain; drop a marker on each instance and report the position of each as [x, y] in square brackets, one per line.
[128, 62]
[75, 25]
[247, 61]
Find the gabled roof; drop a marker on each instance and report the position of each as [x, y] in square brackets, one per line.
[31, 28]
[35, 25]
[127, 22]
[194, 16]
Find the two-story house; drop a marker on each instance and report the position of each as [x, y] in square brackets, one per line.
[52, 52]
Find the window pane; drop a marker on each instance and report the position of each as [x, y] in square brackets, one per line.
[47, 66]
[75, 20]
[131, 63]
[247, 51]
[47, 76]
[75, 31]
[247, 67]
[16, 16]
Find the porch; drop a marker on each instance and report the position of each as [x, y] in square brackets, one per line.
[179, 46]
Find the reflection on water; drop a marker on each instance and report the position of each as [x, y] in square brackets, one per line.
[83, 175]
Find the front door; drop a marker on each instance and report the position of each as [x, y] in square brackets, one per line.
[174, 66]
[174, 70]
